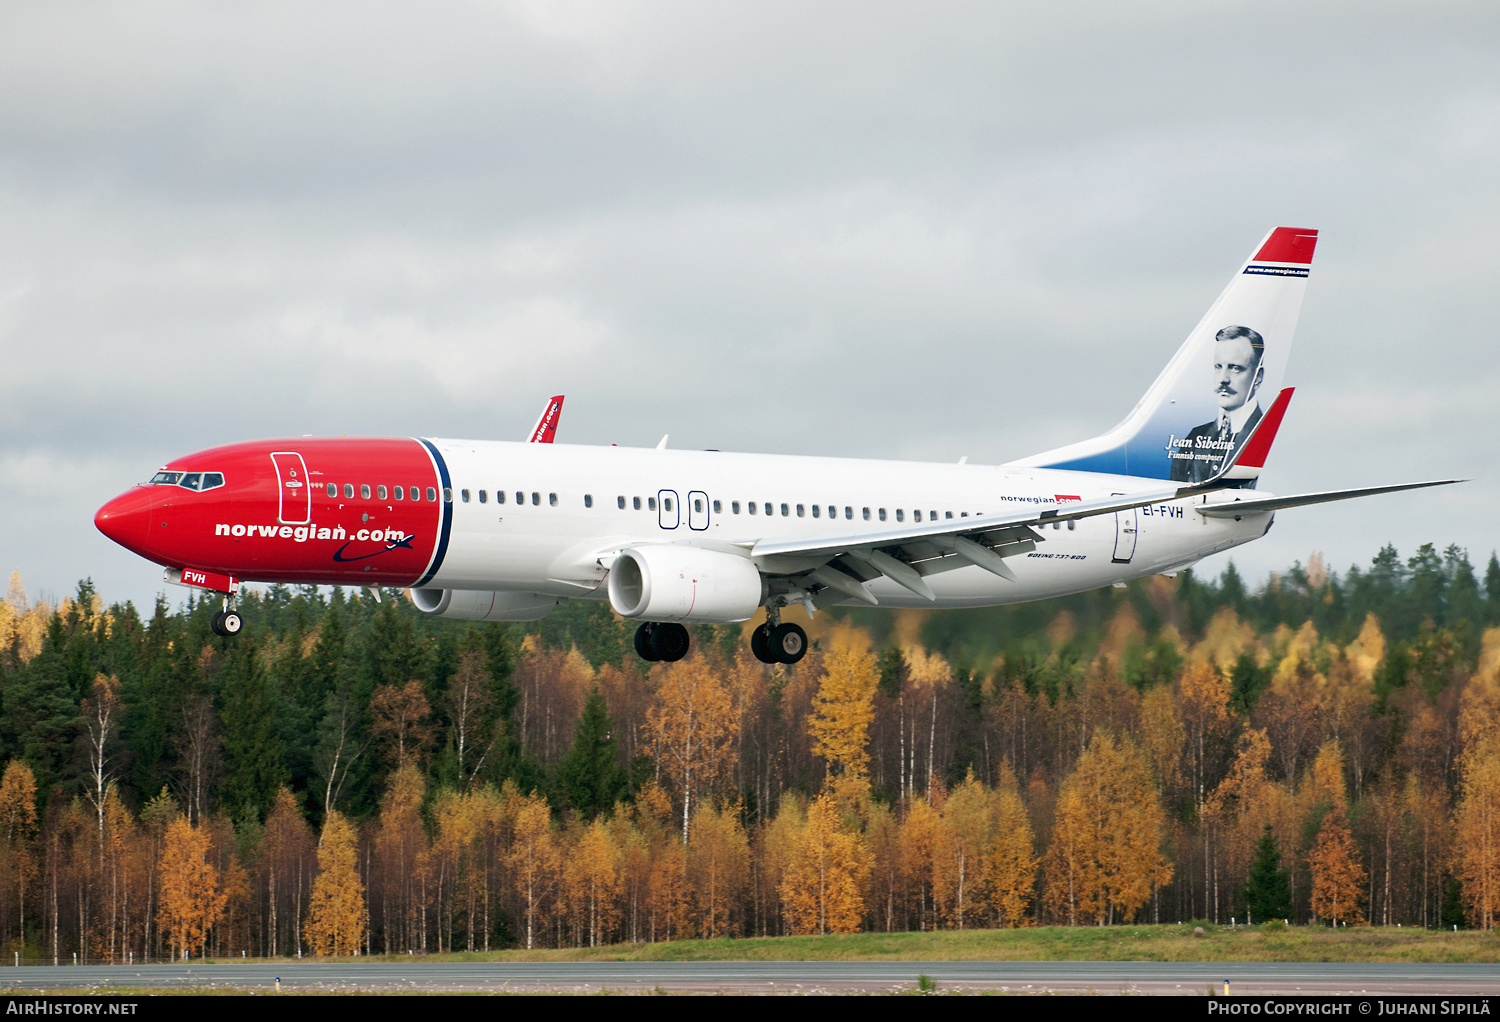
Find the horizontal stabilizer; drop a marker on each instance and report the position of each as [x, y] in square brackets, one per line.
[1260, 505]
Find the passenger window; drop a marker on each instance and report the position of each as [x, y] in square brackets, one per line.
[552, 500]
[484, 496]
[666, 503]
[520, 497]
[963, 514]
[882, 514]
[588, 500]
[734, 506]
[1072, 524]
[947, 514]
[348, 491]
[800, 510]
[867, 514]
[900, 515]
[465, 495]
[400, 493]
[364, 491]
[431, 494]
[916, 515]
[621, 502]
[499, 496]
[751, 507]
[651, 503]
[536, 499]
[784, 511]
[447, 494]
[697, 506]
[333, 489]
[849, 512]
[815, 510]
[635, 502]
[380, 493]
[718, 508]
[932, 516]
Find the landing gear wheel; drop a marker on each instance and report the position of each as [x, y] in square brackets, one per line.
[760, 645]
[218, 624]
[670, 642]
[788, 643]
[643, 642]
[230, 623]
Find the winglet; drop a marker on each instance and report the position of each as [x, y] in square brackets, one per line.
[545, 430]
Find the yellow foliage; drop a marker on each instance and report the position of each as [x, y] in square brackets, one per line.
[592, 878]
[191, 899]
[823, 889]
[1477, 826]
[1328, 777]
[1367, 650]
[926, 670]
[336, 916]
[1010, 871]
[1225, 638]
[1123, 632]
[843, 710]
[719, 865]
[1337, 876]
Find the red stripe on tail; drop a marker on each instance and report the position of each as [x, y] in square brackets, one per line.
[1288, 245]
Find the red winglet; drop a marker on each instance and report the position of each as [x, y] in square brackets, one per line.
[1288, 245]
[546, 427]
[1259, 445]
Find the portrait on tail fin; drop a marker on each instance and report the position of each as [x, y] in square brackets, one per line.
[1238, 372]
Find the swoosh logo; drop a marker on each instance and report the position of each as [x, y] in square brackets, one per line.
[338, 555]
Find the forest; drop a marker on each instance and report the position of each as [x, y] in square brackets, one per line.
[349, 776]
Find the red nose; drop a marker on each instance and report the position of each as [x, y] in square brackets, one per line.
[127, 518]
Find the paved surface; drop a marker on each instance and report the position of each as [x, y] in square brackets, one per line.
[1191, 978]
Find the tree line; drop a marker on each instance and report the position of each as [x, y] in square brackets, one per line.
[349, 776]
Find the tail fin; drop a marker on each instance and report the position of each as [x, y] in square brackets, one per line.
[545, 429]
[1207, 402]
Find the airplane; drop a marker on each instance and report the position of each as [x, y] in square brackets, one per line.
[501, 531]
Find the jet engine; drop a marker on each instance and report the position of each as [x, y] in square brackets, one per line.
[684, 583]
[483, 605]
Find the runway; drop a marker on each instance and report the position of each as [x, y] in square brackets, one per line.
[1182, 978]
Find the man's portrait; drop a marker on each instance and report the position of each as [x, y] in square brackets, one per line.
[1238, 370]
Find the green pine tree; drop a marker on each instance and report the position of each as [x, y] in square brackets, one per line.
[1268, 895]
[589, 776]
[254, 757]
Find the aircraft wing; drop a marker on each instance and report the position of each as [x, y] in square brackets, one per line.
[1239, 508]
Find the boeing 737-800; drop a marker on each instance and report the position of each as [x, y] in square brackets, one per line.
[496, 531]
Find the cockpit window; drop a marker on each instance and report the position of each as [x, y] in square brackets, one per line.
[189, 480]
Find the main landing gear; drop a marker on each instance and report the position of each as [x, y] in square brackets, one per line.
[661, 641]
[778, 643]
[228, 622]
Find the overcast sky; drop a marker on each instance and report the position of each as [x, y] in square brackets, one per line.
[894, 230]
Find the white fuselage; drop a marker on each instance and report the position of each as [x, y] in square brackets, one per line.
[558, 539]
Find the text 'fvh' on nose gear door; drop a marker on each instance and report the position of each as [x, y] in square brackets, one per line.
[292, 489]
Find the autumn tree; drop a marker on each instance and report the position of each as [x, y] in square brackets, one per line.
[692, 728]
[18, 817]
[1105, 857]
[101, 722]
[592, 876]
[963, 842]
[1338, 878]
[399, 844]
[842, 712]
[336, 916]
[286, 846]
[719, 865]
[399, 721]
[191, 898]
[826, 875]
[533, 858]
[1477, 825]
[1010, 869]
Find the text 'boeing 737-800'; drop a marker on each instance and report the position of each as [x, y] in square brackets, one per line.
[498, 531]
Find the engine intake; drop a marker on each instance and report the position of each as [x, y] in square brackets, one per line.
[684, 583]
[483, 605]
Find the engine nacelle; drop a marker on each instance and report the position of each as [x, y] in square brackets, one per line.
[684, 583]
[483, 605]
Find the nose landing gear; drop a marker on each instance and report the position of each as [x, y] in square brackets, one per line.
[228, 622]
